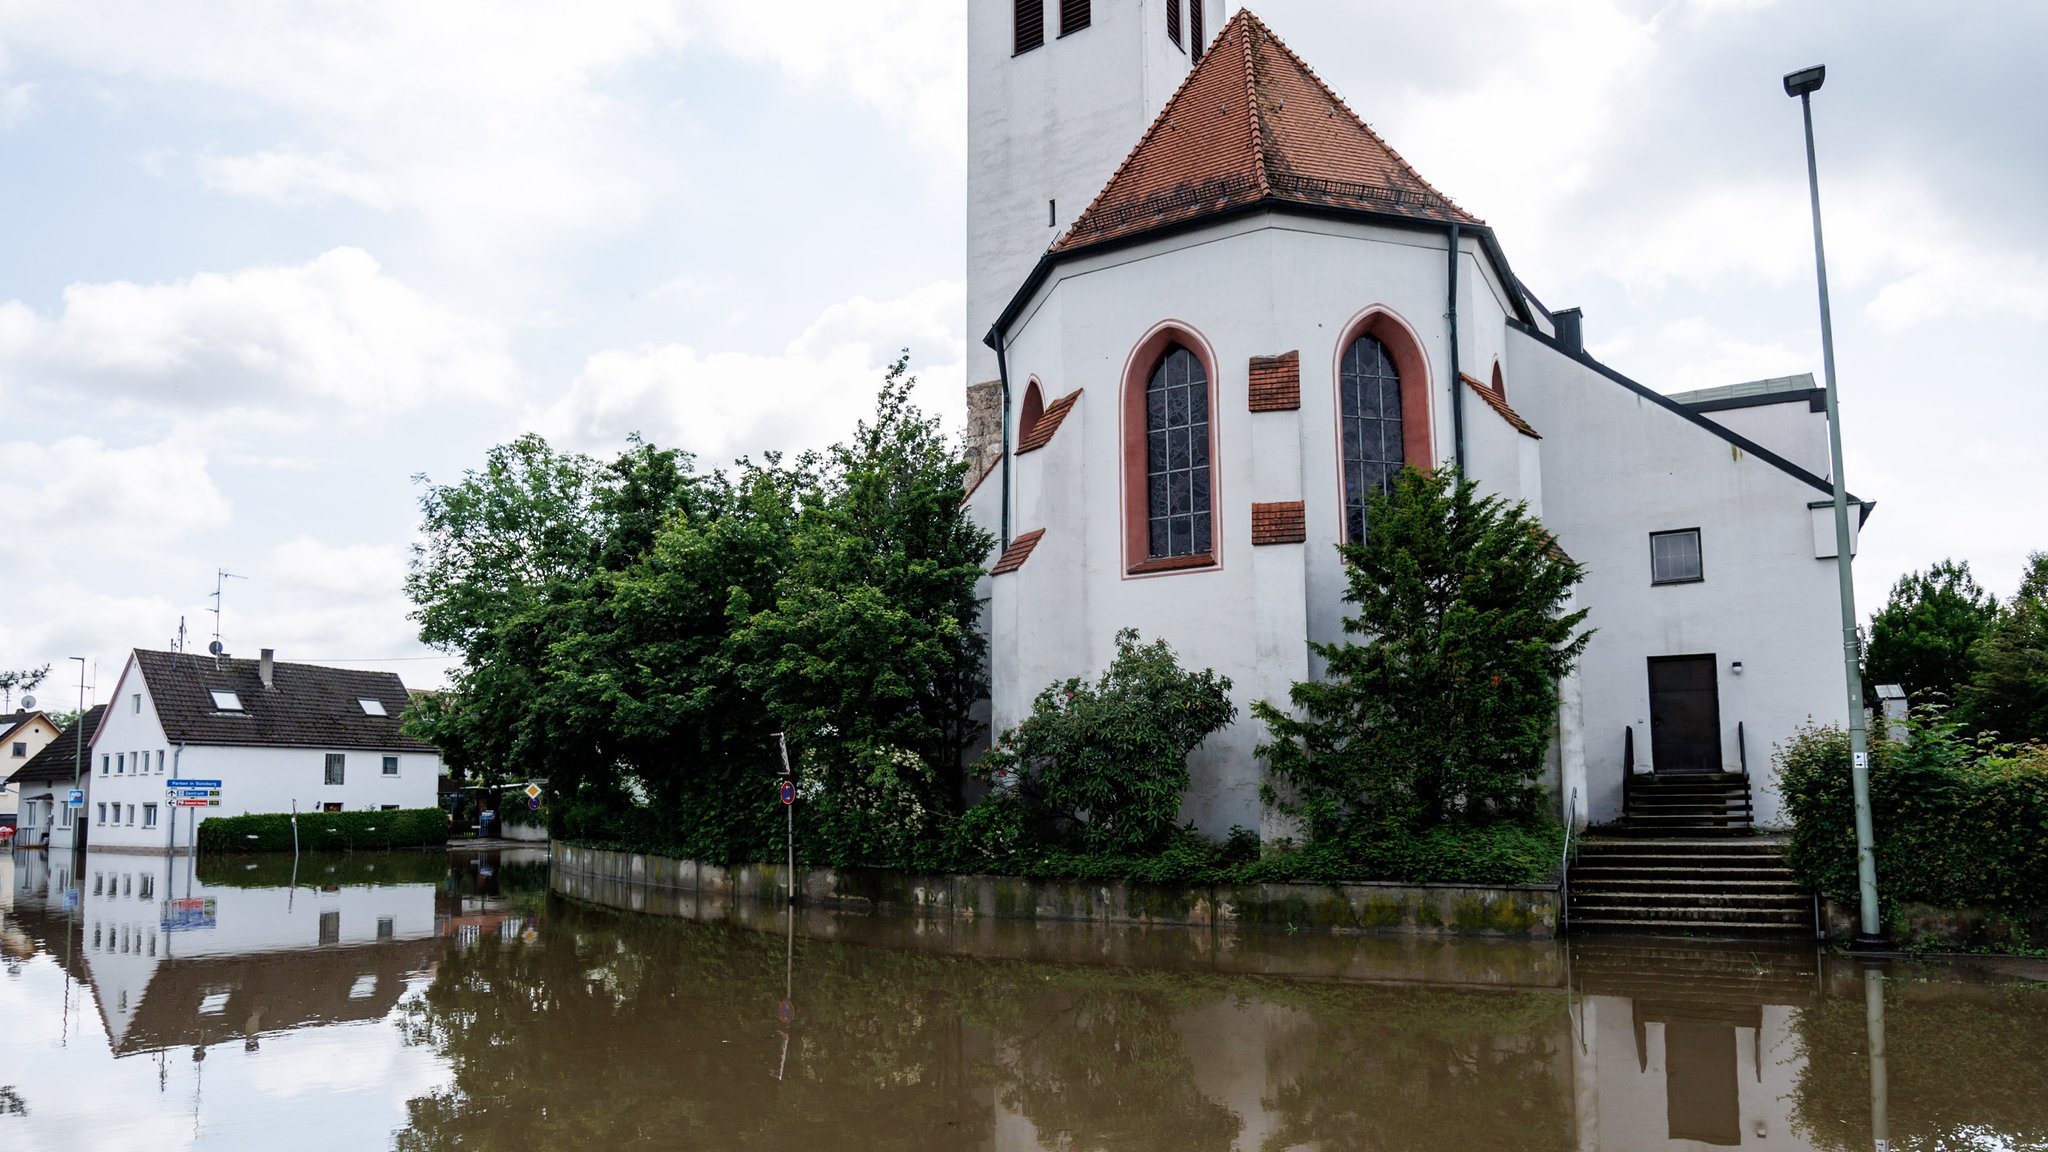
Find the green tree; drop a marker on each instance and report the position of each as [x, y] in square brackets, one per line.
[2008, 692]
[1108, 762]
[1922, 638]
[1442, 711]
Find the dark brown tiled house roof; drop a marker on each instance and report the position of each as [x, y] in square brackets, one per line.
[308, 706]
[54, 762]
[1048, 423]
[1253, 123]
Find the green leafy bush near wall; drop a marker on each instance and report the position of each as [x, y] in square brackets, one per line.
[325, 831]
[1959, 824]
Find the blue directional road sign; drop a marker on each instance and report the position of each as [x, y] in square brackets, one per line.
[76, 798]
[191, 783]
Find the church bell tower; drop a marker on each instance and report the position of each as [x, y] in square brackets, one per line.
[1058, 92]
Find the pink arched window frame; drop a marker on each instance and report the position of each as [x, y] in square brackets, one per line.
[1136, 506]
[1418, 398]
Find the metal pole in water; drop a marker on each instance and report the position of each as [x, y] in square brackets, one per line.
[1880, 1089]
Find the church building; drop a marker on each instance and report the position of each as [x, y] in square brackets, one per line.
[1219, 309]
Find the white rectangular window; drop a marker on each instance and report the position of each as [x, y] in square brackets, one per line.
[1675, 557]
[20, 749]
[149, 815]
[159, 761]
[136, 700]
[131, 815]
[336, 763]
[120, 763]
[103, 814]
[67, 816]
[372, 707]
[226, 701]
[106, 763]
[391, 765]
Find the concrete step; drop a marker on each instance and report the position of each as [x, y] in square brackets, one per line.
[1720, 928]
[1605, 882]
[1687, 906]
[1697, 916]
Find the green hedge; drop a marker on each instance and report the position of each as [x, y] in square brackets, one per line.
[1958, 825]
[275, 870]
[325, 831]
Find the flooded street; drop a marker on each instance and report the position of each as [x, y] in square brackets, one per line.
[425, 1002]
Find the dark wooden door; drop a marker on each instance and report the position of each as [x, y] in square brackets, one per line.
[1685, 714]
[1701, 1098]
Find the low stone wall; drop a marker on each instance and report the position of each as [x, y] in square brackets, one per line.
[1928, 928]
[1403, 909]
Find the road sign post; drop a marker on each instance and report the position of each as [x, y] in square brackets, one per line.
[788, 791]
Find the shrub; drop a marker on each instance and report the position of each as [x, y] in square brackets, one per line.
[325, 831]
[1106, 764]
[1443, 712]
[1958, 823]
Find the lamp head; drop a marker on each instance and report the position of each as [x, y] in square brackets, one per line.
[1805, 80]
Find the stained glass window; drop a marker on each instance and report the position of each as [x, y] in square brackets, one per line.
[1177, 456]
[1370, 391]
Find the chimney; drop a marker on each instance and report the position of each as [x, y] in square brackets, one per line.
[263, 668]
[1571, 329]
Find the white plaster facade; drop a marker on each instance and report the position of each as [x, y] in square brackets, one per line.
[131, 759]
[1603, 461]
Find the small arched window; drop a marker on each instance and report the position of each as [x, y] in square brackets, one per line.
[1369, 390]
[1031, 412]
[1177, 456]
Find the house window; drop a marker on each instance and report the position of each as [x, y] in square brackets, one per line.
[120, 763]
[1372, 431]
[20, 749]
[336, 761]
[1030, 25]
[131, 815]
[1177, 456]
[384, 928]
[136, 700]
[149, 815]
[372, 707]
[1675, 557]
[66, 821]
[1197, 38]
[159, 761]
[103, 820]
[391, 765]
[1074, 16]
[226, 701]
[1173, 20]
[330, 927]
[106, 763]
[387, 807]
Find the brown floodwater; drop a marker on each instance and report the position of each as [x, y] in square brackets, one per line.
[424, 1003]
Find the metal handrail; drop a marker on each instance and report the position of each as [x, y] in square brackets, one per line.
[1564, 866]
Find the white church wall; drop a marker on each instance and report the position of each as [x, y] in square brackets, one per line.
[1792, 430]
[1620, 467]
[1255, 287]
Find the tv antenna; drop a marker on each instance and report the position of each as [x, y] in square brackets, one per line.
[220, 578]
[178, 645]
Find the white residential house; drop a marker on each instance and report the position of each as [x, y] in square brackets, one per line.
[44, 782]
[1210, 337]
[22, 735]
[274, 735]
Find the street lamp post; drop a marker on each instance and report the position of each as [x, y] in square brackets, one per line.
[77, 752]
[1803, 84]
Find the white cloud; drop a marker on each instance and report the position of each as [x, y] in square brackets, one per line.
[1693, 352]
[725, 404]
[287, 176]
[335, 330]
[906, 58]
[124, 502]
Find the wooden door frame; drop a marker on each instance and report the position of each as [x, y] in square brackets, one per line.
[1713, 660]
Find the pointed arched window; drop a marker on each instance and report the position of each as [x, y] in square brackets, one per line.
[1369, 390]
[1177, 456]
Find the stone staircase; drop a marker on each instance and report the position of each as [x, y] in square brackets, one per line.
[1685, 859]
[1686, 804]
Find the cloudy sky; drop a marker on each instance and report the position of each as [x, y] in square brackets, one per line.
[263, 263]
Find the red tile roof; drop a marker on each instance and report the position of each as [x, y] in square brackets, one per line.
[1252, 122]
[1019, 551]
[1276, 383]
[1048, 423]
[1499, 403]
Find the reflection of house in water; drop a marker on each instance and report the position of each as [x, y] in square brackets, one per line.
[1688, 1046]
[178, 961]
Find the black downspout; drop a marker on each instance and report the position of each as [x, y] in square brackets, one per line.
[1457, 379]
[995, 341]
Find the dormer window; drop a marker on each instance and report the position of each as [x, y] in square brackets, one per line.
[226, 702]
[372, 707]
